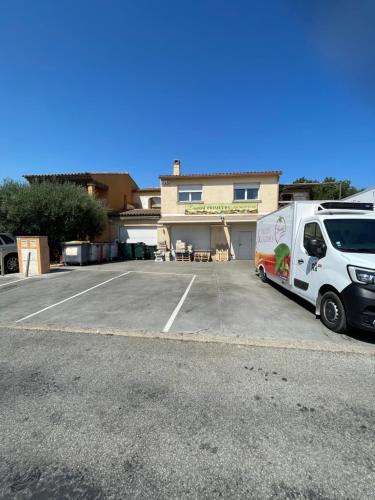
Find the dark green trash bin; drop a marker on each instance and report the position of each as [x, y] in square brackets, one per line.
[139, 251]
[150, 251]
[126, 250]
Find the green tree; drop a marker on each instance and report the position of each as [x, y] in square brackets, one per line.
[62, 212]
[329, 188]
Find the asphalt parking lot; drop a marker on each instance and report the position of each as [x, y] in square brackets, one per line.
[209, 299]
[94, 417]
[88, 416]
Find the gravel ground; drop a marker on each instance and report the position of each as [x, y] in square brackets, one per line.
[88, 416]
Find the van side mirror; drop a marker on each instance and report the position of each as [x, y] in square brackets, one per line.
[316, 248]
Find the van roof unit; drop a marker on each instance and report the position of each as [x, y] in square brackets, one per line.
[344, 205]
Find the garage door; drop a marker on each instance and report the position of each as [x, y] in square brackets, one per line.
[147, 235]
[196, 235]
[243, 242]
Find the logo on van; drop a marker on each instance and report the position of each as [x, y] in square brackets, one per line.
[280, 229]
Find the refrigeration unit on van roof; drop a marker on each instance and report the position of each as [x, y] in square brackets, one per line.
[344, 205]
[337, 207]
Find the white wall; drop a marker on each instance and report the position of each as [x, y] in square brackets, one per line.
[197, 235]
[147, 235]
[143, 200]
[366, 196]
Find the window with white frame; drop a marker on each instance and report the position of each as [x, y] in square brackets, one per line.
[190, 194]
[244, 192]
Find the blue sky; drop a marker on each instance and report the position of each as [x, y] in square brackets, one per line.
[221, 85]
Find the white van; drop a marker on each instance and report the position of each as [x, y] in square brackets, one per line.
[325, 253]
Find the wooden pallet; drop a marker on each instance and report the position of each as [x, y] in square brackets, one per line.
[183, 257]
[222, 255]
[202, 256]
[162, 247]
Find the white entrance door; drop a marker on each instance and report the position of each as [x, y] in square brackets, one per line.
[147, 235]
[245, 245]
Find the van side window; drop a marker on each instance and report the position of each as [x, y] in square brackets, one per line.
[312, 232]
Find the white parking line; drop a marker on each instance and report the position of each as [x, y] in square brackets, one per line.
[131, 271]
[178, 307]
[14, 281]
[168, 274]
[72, 297]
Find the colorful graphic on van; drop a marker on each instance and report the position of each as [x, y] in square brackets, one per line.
[277, 263]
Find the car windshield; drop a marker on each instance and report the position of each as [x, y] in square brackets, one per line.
[7, 240]
[352, 235]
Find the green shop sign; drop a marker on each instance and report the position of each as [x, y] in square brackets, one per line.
[222, 208]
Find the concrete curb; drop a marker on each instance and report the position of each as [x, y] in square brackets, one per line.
[191, 337]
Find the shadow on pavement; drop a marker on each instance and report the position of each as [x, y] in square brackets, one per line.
[57, 270]
[354, 333]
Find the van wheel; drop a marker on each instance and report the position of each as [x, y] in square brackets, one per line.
[262, 275]
[11, 263]
[332, 313]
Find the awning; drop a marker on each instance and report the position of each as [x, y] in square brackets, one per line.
[207, 219]
[241, 218]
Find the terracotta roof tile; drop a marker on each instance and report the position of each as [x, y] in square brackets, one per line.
[144, 190]
[137, 212]
[74, 174]
[223, 174]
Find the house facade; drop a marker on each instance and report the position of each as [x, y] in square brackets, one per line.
[114, 188]
[139, 221]
[127, 205]
[294, 192]
[211, 211]
[207, 211]
[364, 196]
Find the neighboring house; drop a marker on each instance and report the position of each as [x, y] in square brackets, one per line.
[147, 198]
[132, 212]
[294, 192]
[365, 196]
[115, 188]
[122, 196]
[139, 222]
[212, 211]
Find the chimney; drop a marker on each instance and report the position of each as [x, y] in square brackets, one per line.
[176, 167]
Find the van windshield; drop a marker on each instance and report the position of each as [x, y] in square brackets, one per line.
[352, 235]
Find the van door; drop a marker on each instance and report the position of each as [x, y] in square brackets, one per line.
[306, 279]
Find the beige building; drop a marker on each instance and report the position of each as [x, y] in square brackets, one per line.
[139, 221]
[208, 211]
[115, 189]
[133, 213]
[211, 211]
[294, 192]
